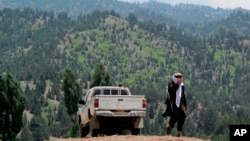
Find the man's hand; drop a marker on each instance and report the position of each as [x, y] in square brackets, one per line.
[185, 108]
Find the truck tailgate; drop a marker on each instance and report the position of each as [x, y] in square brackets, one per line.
[134, 102]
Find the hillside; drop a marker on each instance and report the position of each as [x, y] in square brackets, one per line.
[156, 11]
[36, 46]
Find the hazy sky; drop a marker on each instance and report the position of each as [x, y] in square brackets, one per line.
[214, 3]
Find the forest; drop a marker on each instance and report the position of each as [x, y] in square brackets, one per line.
[37, 45]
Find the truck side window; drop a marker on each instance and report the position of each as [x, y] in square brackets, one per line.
[124, 92]
[114, 92]
[97, 92]
[106, 92]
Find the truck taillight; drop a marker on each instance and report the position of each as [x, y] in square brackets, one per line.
[144, 103]
[96, 103]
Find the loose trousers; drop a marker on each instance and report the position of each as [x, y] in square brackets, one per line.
[178, 116]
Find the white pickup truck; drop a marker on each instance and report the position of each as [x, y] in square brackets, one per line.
[111, 110]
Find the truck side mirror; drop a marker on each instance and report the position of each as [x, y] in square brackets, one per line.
[81, 102]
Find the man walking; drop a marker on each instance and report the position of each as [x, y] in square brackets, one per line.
[176, 103]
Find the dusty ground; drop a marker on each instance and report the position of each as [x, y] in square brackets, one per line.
[132, 138]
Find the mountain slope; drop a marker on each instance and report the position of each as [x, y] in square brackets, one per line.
[38, 45]
[155, 11]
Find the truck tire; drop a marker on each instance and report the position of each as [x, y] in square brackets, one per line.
[95, 132]
[84, 130]
[124, 132]
[135, 131]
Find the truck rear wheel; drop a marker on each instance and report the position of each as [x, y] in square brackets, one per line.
[95, 132]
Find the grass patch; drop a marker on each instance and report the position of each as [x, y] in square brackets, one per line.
[23, 85]
[52, 105]
[218, 55]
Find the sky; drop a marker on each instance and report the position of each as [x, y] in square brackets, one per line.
[226, 4]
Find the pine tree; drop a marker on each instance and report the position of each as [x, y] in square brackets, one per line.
[101, 77]
[26, 134]
[72, 93]
[28, 95]
[38, 128]
[151, 112]
[12, 106]
[62, 117]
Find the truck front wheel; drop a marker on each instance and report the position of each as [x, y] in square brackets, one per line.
[84, 130]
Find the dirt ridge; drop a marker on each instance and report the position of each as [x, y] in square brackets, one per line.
[132, 138]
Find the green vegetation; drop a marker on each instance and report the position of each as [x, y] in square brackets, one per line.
[37, 46]
[100, 77]
[72, 94]
[12, 105]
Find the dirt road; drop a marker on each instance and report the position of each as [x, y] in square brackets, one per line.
[131, 138]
